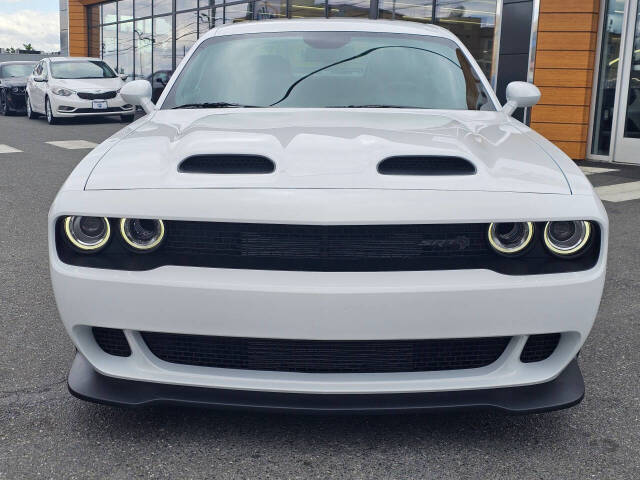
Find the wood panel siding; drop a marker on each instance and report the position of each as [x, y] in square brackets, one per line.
[78, 32]
[565, 56]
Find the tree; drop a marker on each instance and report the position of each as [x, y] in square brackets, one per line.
[27, 47]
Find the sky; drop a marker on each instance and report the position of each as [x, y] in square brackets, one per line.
[30, 21]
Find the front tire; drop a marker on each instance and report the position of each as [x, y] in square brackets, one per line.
[51, 120]
[126, 118]
[30, 113]
[4, 106]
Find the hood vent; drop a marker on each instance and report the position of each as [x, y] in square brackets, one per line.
[425, 165]
[227, 164]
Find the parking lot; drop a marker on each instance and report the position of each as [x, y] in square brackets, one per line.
[47, 433]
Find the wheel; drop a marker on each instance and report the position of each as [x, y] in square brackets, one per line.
[30, 113]
[126, 118]
[4, 107]
[51, 120]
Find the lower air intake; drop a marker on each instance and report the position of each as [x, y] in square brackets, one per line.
[539, 347]
[112, 341]
[326, 356]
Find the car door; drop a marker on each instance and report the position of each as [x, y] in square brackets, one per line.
[36, 94]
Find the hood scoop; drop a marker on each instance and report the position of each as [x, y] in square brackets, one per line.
[426, 165]
[227, 164]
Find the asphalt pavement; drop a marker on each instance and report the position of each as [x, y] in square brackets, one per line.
[47, 433]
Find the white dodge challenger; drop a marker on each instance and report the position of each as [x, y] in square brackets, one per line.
[327, 215]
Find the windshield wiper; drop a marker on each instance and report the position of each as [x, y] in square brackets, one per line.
[214, 105]
[375, 105]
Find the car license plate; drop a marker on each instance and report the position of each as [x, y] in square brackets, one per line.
[99, 105]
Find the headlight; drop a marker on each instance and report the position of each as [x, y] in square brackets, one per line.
[142, 235]
[567, 237]
[63, 92]
[511, 237]
[87, 234]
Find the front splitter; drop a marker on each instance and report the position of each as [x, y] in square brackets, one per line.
[564, 391]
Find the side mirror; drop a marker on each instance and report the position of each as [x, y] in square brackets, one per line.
[123, 77]
[138, 92]
[520, 94]
[39, 78]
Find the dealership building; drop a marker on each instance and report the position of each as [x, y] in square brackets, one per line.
[583, 54]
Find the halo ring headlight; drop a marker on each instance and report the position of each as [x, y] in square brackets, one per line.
[510, 238]
[87, 234]
[142, 235]
[565, 238]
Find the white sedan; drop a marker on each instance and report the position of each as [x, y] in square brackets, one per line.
[62, 87]
[328, 216]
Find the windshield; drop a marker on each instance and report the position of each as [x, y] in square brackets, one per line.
[76, 69]
[16, 70]
[329, 69]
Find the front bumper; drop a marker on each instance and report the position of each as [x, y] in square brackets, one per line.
[566, 390]
[73, 106]
[327, 305]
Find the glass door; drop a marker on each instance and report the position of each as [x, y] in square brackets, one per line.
[627, 147]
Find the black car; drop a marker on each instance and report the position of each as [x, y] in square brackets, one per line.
[13, 80]
[158, 80]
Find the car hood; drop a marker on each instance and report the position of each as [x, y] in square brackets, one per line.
[88, 84]
[329, 148]
[13, 82]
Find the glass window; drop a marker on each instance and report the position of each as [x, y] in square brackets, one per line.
[238, 13]
[81, 69]
[109, 12]
[162, 6]
[186, 4]
[125, 49]
[330, 69]
[266, 9]
[607, 77]
[473, 22]
[186, 33]
[143, 39]
[109, 45]
[207, 19]
[632, 114]
[143, 8]
[307, 8]
[349, 8]
[411, 10]
[163, 43]
[125, 10]
[13, 70]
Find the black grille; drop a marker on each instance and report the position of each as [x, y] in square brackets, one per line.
[227, 164]
[322, 248]
[418, 165]
[326, 248]
[539, 347]
[97, 96]
[326, 356]
[112, 341]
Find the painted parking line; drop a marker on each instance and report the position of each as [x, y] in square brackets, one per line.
[594, 170]
[8, 149]
[621, 192]
[73, 144]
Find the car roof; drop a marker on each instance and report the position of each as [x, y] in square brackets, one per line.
[332, 25]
